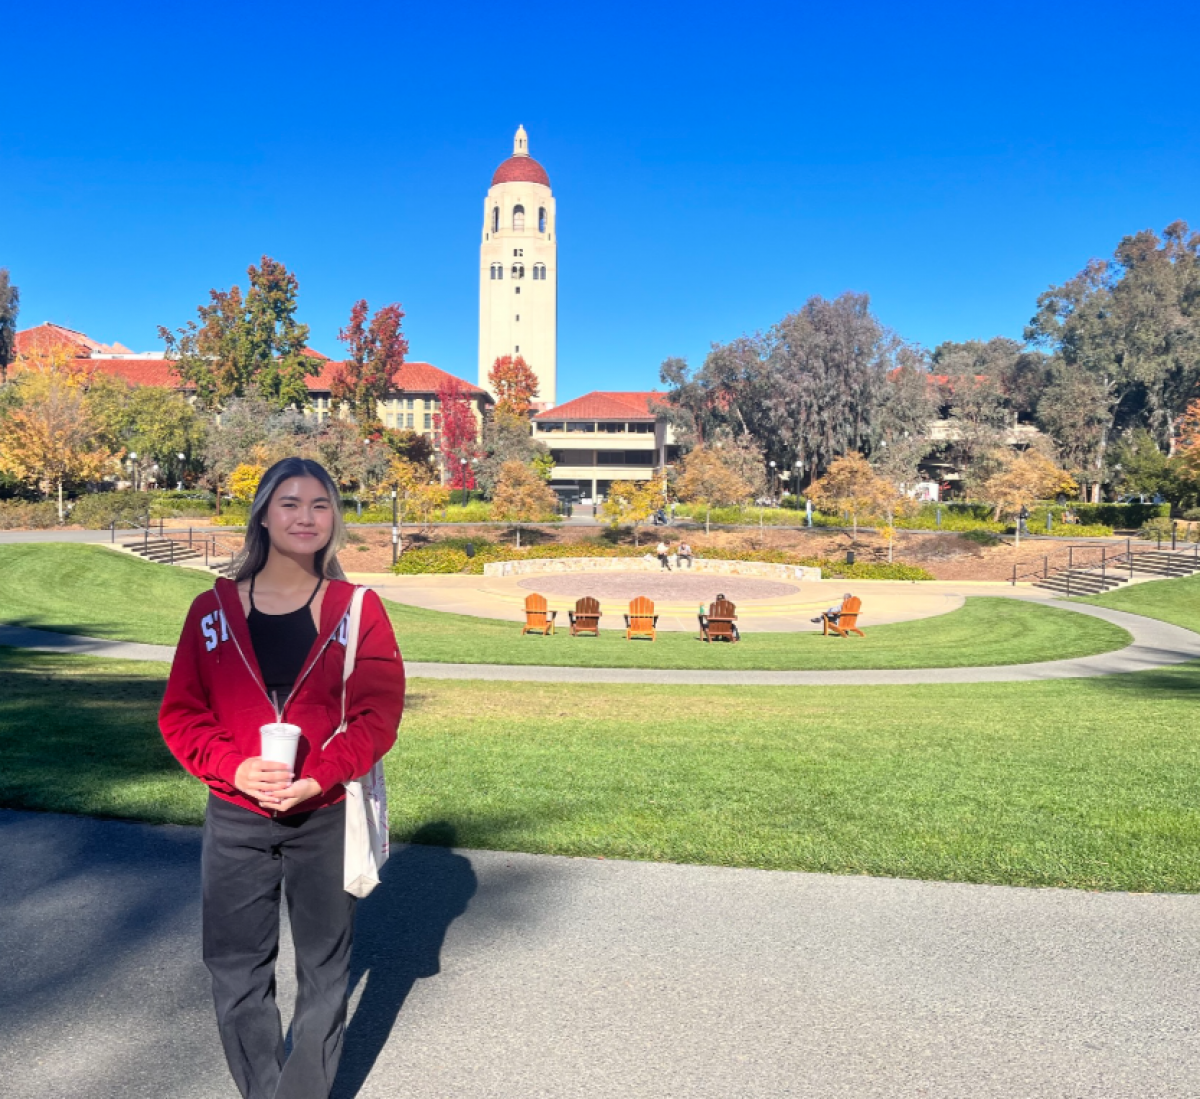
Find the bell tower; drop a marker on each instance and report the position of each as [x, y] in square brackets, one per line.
[518, 271]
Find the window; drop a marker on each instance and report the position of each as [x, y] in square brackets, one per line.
[408, 419]
[409, 406]
[517, 351]
[518, 251]
[519, 218]
[517, 289]
[539, 271]
[518, 316]
[495, 219]
[428, 420]
[497, 270]
[518, 270]
[541, 219]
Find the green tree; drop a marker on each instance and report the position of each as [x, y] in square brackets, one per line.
[507, 438]
[246, 346]
[10, 307]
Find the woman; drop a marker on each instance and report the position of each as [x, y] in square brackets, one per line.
[269, 646]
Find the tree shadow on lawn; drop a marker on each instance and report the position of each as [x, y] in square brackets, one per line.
[105, 631]
[1180, 683]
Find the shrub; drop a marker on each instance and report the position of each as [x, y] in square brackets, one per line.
[435, 559]
[1192, 515]
[1156, 528]
[99, 510]
[28, 514]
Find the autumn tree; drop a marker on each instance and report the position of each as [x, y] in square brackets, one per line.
[850, 486]
[418, 496]
[457, 431]
[10, 306]
[244, 482]
[707, 478]
[48, 438]
[632, 502]
[244, 346]
[377, 349]
[515, 386]
[1025, 478]
[153, 422]
[522, 496]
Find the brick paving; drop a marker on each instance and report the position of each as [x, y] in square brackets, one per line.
[678, 586]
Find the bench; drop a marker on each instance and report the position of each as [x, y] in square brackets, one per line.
[585, 618]
[718, 624]
[641, 619]
[537, 618]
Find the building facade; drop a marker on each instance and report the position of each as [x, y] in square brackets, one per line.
[518, 271]
[412, 406]
[604, 437]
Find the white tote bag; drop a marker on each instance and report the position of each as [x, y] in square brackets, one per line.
[367, 841]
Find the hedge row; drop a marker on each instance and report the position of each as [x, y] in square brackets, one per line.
[451, 557]
[28, 515]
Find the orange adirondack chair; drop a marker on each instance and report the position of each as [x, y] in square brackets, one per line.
[641, 619]
[585, 618]
[847, 619]
[718, 624]
[537, 618]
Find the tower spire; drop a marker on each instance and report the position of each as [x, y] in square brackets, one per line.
[521, 142]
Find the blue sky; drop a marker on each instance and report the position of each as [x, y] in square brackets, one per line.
[714, 166]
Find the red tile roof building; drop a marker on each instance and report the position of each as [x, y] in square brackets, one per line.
[602, 437]
[414, 405]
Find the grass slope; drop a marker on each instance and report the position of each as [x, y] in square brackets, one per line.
[90, 590]
[1084, 783]
[1174, 601]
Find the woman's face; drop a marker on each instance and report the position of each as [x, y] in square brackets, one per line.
[299, 517]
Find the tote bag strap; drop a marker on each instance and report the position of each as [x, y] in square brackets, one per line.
[352, 631]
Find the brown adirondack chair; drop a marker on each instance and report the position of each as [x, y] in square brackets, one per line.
[537, 618]
[585, 618]
[847, 619]
[718, 624]
[641, 619]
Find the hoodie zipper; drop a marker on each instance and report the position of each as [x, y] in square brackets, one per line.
[279, 710]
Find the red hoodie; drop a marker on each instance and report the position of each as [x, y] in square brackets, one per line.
[216, 700]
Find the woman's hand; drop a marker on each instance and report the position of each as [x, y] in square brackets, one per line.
[296, 793]
[262, 779]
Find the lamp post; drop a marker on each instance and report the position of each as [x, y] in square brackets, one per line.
[395, 528]
[463, 474]
[133, 469]
[182, 462]
[774, 482]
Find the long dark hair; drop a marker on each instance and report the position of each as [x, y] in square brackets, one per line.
[257, 546]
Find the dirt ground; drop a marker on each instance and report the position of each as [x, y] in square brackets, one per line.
[945, 556]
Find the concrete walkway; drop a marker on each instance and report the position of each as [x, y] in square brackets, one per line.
[483, 975]
[1155, 645]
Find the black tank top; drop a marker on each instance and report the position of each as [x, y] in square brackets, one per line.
[281, 644]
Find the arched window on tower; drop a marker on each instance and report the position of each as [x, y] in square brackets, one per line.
[495, 219]
[541, 219]
[519, 218]
[518, 270]
[539, 271]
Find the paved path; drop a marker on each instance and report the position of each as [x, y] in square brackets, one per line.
[484, 975]
[1155, 645]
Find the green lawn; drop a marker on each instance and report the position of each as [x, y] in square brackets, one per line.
[89, 590]
[1175, 601]
[1084, 783]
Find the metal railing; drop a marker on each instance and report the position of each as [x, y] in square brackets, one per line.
[1120, 564]
[214, 548]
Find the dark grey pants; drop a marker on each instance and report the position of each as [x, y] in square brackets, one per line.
[246, 859]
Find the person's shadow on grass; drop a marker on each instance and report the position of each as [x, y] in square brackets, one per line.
[398, 937]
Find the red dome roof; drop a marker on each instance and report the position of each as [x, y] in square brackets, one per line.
[521, 169]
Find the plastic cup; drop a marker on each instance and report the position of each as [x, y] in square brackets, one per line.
[279, 742]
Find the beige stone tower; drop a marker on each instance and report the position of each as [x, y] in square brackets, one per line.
[518, 271]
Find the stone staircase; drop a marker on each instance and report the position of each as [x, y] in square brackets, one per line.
[175, 551]
[1147, 565]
